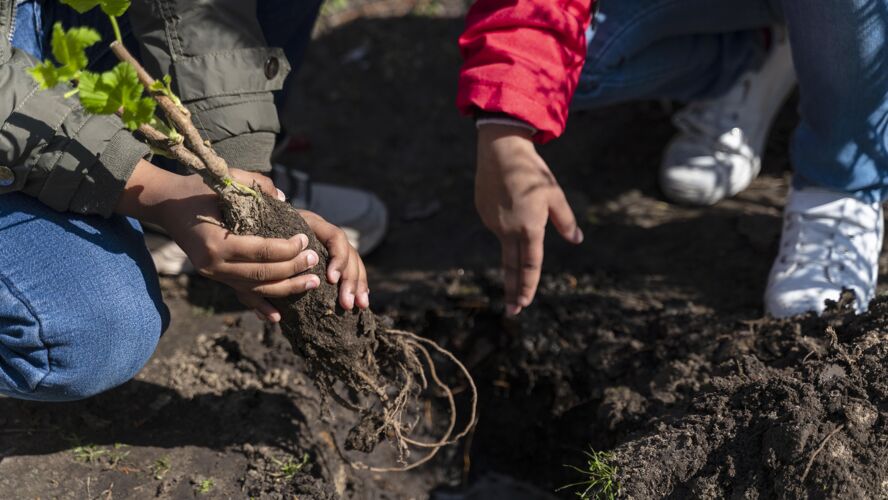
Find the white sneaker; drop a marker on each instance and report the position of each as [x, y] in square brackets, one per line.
[830, 241]
[169, 258]
[717, 151]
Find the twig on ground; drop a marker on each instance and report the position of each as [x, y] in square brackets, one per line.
[819, 449]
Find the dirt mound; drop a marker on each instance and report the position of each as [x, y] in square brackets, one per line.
[795, 409]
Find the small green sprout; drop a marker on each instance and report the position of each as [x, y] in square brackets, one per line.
[289, 467]
[161, 467]
[205, 486]
[599, 477]
[88, 453]
[117, 454]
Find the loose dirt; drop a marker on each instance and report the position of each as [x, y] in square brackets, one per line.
[648, 340]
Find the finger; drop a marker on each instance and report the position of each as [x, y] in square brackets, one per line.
[563, 218]
[348, 286]
[531, 257]
[256, 249]
[263, 308]
[282, 288]
[266, 185]
[511, 271]
[336, 243]
[362, 295]
[267, 271]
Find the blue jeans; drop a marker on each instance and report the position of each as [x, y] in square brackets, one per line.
[80, 304]
[694, 49]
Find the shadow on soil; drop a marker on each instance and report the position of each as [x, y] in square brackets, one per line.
[146, 414]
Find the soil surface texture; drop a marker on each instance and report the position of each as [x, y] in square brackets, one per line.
[648, 341]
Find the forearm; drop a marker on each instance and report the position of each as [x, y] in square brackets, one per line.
[148, 192]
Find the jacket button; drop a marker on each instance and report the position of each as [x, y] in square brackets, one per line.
[7, 177]
[272, 65]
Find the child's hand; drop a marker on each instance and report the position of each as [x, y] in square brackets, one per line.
[255, 267]
[516, 194]
[345, 266]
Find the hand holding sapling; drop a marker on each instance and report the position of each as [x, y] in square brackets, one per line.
[382, 371]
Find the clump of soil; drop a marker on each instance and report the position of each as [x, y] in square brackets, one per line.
[690, 405]
[371, 360]
[797, 409]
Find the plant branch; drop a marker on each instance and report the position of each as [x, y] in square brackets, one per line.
[180, 117]
[157, 139]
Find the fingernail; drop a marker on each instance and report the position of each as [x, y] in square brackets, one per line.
[578, 236]
[303, 240]
[364, 299]
[281, 195]
[274, 317]
[312, 284]
[512, 310]
[312, 258]
[523, 302]
[334, 276]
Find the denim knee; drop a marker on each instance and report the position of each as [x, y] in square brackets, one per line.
[83, 348]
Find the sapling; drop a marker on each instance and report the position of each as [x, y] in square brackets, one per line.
[384, 372]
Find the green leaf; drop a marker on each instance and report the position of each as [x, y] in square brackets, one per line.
[118, 89]
[93, 96]
[163, 86]
[141, 112]
[45, 74]
[81, 6]
[107, 92]
[115, 8]
[69, 49]
[110, 7]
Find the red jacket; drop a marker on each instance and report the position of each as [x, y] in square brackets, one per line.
[523, 58]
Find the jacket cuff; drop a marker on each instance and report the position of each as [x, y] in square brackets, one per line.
[547, 118]
[102, 186]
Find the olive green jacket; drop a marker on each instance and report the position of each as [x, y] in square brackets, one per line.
[221, 68]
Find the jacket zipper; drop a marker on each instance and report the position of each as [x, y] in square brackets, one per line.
[11, 35]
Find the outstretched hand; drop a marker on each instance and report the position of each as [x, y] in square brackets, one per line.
[516, 194]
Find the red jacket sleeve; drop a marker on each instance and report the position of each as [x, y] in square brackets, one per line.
[523, 58]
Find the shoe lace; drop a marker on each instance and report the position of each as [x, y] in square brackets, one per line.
[824, 241]
[715, 121]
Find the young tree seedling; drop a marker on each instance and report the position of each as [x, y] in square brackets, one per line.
[386, 373]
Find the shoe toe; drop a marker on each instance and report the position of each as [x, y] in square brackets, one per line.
[784, 302]
[693, 174]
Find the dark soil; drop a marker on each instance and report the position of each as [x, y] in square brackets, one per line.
[648, 340]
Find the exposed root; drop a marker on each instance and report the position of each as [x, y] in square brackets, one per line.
[383, 372]
[818, 450]
[393, 412]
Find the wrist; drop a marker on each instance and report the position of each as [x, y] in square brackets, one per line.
[490, 132]
[148, 191]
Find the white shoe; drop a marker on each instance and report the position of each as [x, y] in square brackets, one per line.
[830, 241]
[169, 258]
[718, 149]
